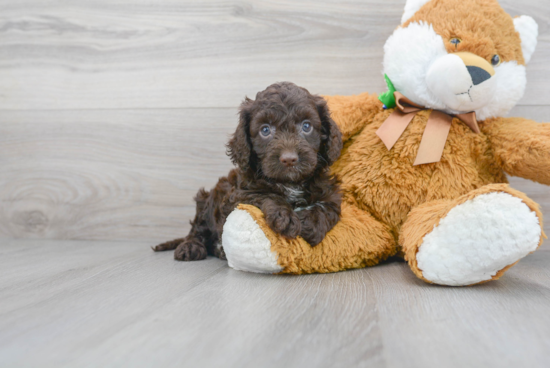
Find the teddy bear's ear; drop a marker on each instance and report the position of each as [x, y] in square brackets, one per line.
[411, 7]
[528, 31]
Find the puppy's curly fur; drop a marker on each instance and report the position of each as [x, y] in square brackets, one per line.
[283, 146]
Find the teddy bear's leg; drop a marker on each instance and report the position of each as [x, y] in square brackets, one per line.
[358, 240]
[471, 239]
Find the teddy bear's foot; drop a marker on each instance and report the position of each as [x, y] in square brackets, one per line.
[472, 239]
[358, 240]
[246, 246]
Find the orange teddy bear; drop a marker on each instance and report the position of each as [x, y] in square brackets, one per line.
[423, 166]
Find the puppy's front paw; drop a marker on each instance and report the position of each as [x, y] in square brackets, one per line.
[312, 232]
[312, 238]
[190, 250]
[284, 221]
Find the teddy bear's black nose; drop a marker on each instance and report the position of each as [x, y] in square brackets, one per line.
[478, 75]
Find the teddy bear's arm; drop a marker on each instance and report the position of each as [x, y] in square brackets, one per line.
[521, 146]
[352, 113]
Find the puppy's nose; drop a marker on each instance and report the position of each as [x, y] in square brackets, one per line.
[289, 158]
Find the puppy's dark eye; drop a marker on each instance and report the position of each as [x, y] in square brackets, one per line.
[495, 60]
[306, 126]
[265, 130]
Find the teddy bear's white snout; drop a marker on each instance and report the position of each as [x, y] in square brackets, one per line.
[462, 81]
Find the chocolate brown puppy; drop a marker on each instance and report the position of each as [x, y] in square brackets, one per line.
[283, 147]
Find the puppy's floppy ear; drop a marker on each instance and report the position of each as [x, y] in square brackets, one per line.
[239, 148]
[331, 136]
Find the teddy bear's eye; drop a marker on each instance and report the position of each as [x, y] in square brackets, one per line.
[455, 41]
[495, 60]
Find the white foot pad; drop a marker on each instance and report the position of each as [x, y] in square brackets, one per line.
[246, 246]
[477, 239]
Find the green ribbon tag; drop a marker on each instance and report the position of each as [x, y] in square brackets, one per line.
[387, 98]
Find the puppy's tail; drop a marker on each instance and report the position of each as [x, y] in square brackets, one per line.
[169, 245]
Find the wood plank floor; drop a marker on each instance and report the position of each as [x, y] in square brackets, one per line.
[124, 174]
[208, 53]
[113, 304]
[114, 113]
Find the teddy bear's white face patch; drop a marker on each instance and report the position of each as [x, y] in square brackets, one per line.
[416, 61]
[461, 87]
[408, 55]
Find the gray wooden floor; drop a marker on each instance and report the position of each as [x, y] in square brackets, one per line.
[114, 113]
[113, 304]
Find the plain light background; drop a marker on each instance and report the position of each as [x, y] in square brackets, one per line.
[114, 112]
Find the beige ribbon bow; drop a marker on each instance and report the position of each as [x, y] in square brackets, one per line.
[435, 133]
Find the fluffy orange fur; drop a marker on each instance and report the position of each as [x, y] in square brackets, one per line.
[356, 241]
[484, 27]
[521, 147]
[383, 190]
[425, 217]
[389, 204]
